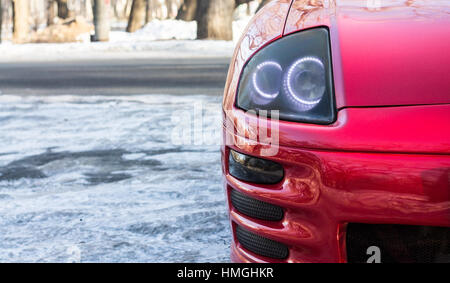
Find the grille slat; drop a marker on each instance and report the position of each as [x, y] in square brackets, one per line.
[255, 208]
[398, 243]
[260, 245]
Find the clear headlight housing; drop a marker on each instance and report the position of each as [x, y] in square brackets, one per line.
[292, 75]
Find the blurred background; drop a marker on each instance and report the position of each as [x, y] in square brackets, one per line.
[110, 125]
[58, 21]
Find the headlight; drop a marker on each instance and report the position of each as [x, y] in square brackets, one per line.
[292, 75]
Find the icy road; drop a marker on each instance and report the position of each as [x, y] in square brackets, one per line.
[100, 179]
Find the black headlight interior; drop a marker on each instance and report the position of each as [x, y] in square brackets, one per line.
[292, 75]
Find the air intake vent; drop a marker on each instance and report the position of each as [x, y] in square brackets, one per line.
[255, 208]
[260, 245]
[399, 243]
[255, 170]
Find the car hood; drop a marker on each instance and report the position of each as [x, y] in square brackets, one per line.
[385, 53]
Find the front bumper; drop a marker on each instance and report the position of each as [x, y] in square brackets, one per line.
[323, 191]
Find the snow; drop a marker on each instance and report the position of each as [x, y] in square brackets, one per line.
[241, 17]
[98, 179]
[101, 179]
[159, 30]
[159, 38]
[115, 50]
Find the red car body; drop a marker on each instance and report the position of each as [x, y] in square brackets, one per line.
[385, 160]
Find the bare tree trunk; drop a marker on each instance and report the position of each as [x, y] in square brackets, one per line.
[115, 9]
[188, 10]
[127, 10]
[172, 8]
[101, 20]
[137, 15]
[88, 8]
[1, 20]
[63, 9]
[21, 26]
[148, 11]
[52, 11]
[215, 19]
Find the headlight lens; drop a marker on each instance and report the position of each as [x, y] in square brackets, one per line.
[292, 75]
[267, 79]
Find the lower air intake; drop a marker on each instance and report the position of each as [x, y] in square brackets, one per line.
[260, 245]
[398, 243]
[255, 208]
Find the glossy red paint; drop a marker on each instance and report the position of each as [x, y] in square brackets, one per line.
[374, 164]
[404, 63]
[406, 129]
[392, 55]
[322, 191]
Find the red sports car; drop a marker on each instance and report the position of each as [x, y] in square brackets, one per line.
[337, 133]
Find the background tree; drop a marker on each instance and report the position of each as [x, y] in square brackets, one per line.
[162, 9]
[215, 18]
[63, 9]
[101, 20]
[1, 20]
[173, 7]
[21, 26]
[188, 10]
[148, 11]
[137, 15]
[52, 12]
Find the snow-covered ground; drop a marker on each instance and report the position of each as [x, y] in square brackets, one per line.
[115, 50]
[99, 179]
[160, 39]
[102, 179]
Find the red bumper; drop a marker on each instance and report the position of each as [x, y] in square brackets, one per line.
[323, 190]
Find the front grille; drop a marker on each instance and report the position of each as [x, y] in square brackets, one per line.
[398, 243]
[260, 245]
[255, 208]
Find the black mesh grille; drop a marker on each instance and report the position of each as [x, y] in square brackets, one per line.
[255, 208]
[260, 245]
[399, 243]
